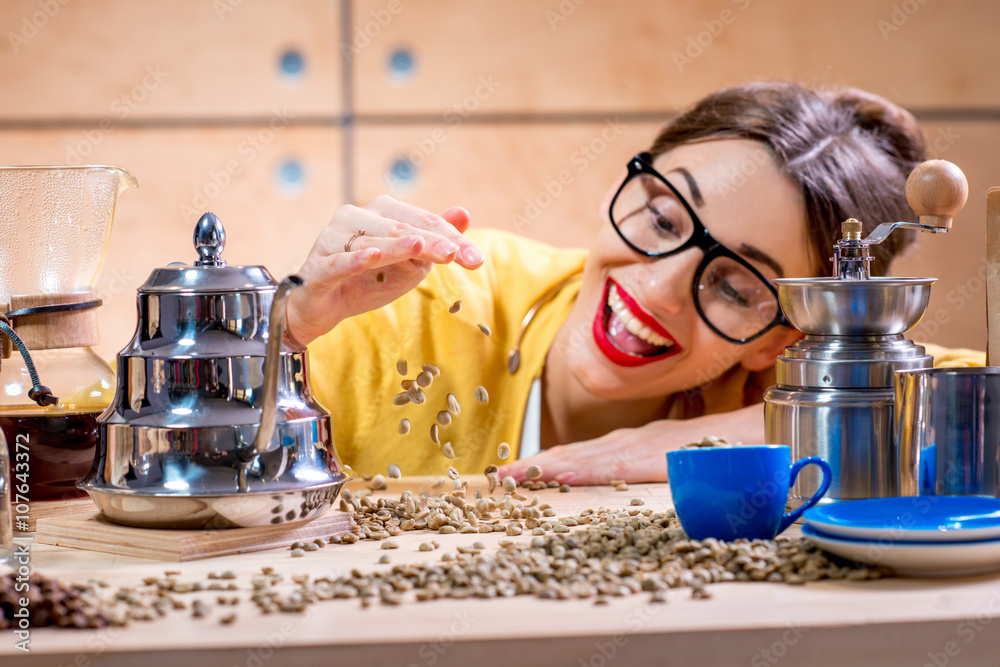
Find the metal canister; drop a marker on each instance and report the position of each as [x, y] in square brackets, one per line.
[948, 431]
[834, 398]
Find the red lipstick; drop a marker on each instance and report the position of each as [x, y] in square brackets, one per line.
[608, 347]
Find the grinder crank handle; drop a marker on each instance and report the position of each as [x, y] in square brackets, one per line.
[936, 191]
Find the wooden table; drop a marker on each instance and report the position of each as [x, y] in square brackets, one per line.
[916, 622]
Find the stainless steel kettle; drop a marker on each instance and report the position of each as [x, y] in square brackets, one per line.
[212, 423]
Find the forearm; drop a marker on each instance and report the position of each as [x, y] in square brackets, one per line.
[638, 454]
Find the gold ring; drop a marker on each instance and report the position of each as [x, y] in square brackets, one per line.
[347, 246]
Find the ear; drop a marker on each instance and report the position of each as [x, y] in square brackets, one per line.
[766, 349]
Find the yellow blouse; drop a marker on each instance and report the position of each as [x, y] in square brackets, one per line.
[353, 368]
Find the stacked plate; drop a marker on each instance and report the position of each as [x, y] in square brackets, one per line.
[919, 536]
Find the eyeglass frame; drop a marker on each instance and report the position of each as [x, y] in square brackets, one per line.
[700, 238]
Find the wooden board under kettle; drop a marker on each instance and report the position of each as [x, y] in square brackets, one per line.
[92, 532]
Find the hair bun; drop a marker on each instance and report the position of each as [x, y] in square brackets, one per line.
[896, 127]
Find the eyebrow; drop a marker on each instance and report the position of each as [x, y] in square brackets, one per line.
[692, 185]
[752, 253]
[758, 255]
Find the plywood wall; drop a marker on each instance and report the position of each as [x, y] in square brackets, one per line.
[455, 102]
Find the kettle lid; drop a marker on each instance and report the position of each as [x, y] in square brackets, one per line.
[209, 272]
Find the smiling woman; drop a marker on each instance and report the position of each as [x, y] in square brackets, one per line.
[665, 331]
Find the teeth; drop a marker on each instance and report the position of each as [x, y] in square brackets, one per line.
[632, 323]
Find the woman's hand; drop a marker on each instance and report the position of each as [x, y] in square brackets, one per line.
[637, 454]
[393, 248]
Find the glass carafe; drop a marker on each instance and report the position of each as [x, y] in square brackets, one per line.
[55, 223]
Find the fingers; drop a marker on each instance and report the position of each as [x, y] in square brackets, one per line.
[553, 463]
[449, 226]
[391, 236]
[458, 217]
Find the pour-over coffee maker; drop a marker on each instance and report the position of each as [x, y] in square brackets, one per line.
[834, 396]
[55, 223]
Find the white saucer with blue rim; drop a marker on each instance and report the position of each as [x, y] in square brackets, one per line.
[910, 518]
[914, 559]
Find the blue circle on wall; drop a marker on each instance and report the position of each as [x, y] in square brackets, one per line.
[292, 65]
[401, 64]
[402, 174]
[290, 178]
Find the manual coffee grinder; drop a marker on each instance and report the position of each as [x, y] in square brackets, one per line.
[55, 223]
[834, 391]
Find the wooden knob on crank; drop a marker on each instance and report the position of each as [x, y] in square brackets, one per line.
[936, 191]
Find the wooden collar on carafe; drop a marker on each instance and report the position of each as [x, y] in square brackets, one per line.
[51, 321]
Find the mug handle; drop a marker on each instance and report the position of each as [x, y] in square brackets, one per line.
[788, 519]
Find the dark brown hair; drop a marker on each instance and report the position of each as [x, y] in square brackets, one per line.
[847, 151]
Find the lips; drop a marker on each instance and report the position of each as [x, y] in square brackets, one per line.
[626, 334]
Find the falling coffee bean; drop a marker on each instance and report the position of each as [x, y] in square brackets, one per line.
[482, 396]
[435, 436]
[534, 472]
[401, 367]
[432, 369]
[449, 451]
[453, 407]
[394, 471]
[404, 426]
[444, 418]
[455, 307]
[416, 395]
[503, 451]
[452, 473]
[424, 379]
[485, 329]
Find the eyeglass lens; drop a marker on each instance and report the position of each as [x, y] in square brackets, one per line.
[731, 297]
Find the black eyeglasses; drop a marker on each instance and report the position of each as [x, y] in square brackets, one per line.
[733, 298]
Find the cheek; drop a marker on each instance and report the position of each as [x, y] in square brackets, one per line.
[713, 356]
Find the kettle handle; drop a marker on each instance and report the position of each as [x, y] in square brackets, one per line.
[246, 453]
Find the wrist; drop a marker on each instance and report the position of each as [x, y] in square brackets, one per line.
[298, 332]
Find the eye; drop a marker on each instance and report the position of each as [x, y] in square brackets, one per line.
[728, 292]
[662, 224]
[732, 284]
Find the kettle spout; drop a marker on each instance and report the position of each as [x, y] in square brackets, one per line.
[269, 397]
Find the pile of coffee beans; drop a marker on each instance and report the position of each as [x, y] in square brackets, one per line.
[53, 603]
[608, 553]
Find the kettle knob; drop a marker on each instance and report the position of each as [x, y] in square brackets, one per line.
[209, 240]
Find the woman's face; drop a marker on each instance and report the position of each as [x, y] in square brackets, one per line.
[634, 331]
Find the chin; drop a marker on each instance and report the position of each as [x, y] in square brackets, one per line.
[607, 382]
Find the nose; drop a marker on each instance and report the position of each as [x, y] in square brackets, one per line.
[666, 282]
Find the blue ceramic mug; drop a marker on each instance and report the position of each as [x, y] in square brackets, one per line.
[737, 492]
